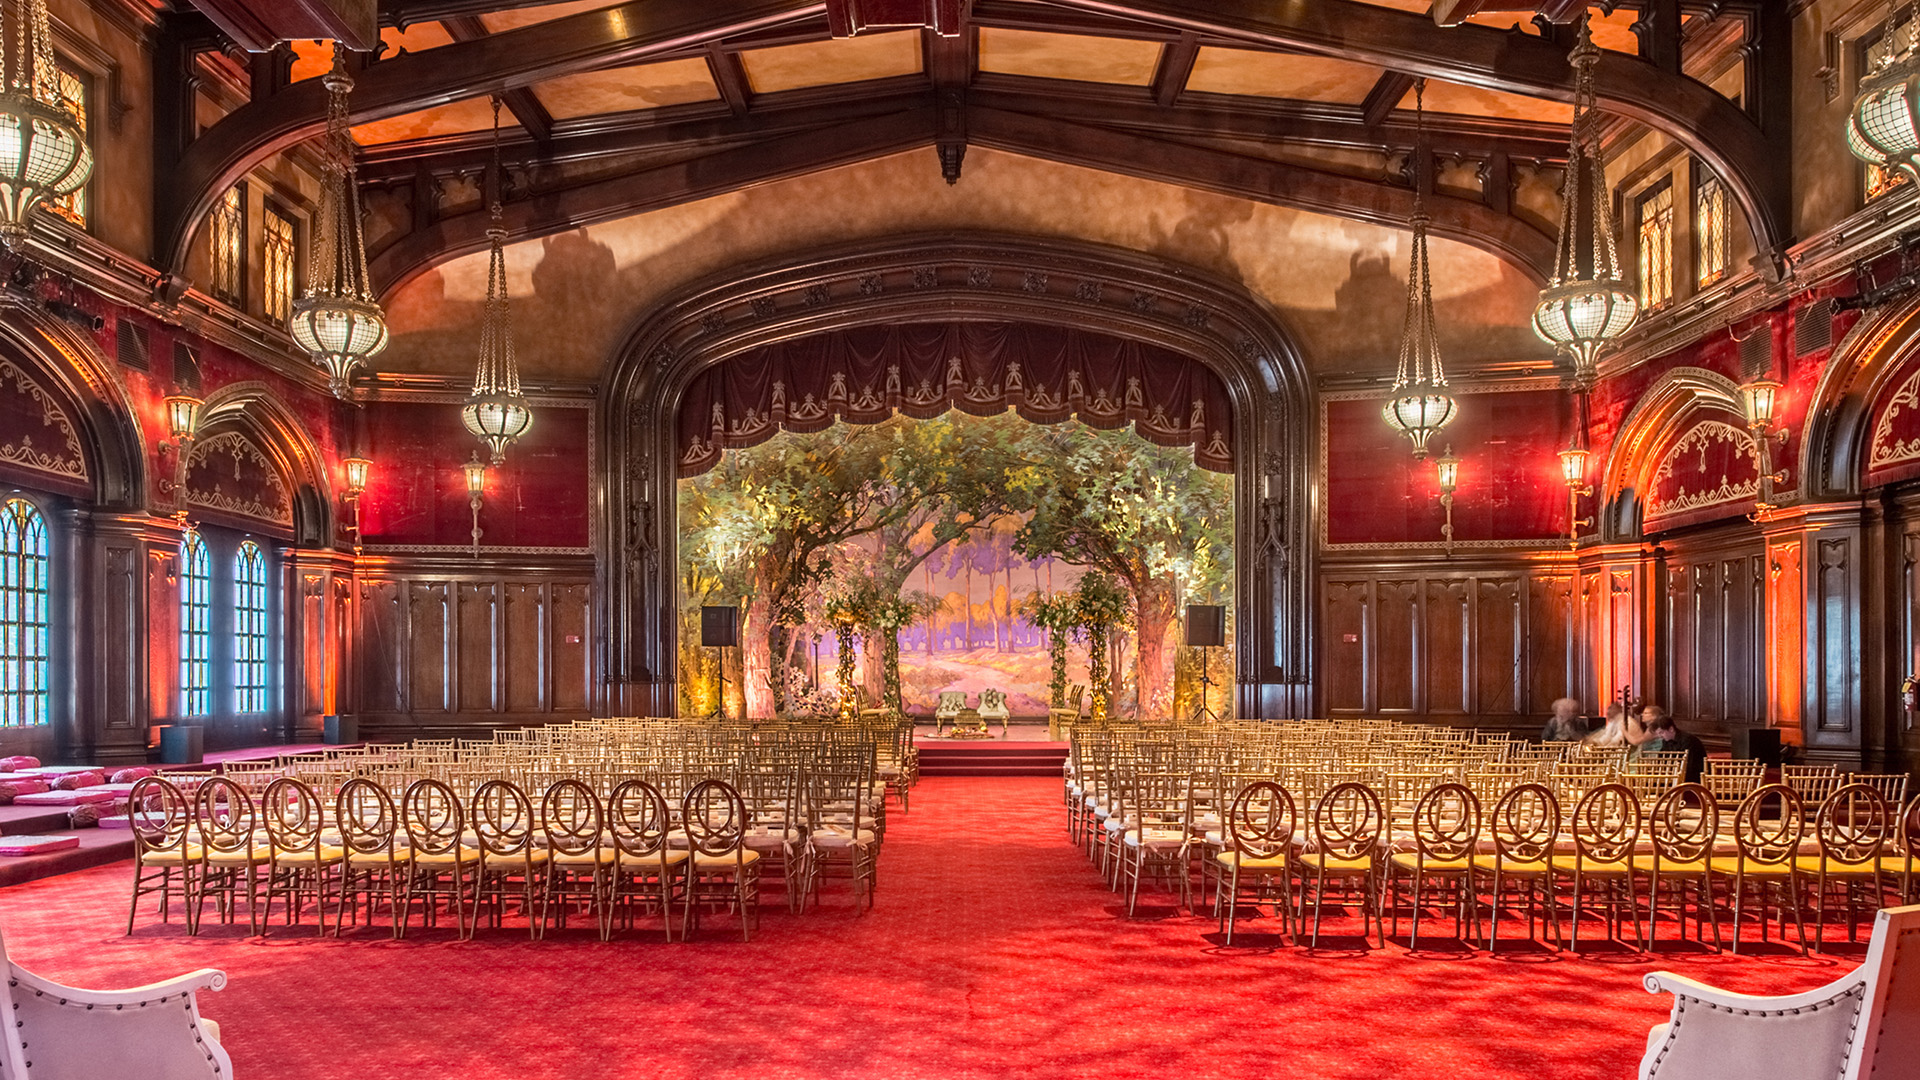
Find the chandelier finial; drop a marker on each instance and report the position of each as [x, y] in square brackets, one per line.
[497, 412]
[1420, 406]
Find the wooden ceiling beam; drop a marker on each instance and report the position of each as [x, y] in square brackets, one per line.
[1690, 112]
[1387, 92]
[1175, 68]
[520, 101]
[627, 33]
[951, 62]
[730, 78]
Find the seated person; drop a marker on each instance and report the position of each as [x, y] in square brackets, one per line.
[1615, 731]
[1566, 724]
[1657, 732]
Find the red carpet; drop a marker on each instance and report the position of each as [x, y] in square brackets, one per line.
[994, 951]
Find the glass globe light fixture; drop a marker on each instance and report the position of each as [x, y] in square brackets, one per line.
[497, 412]
[1883, 127]
[1585, 306]
[43, 153]
[1420, 405]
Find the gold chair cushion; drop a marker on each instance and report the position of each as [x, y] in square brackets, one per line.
[1247, 864]
[603, 856]
[464, 855]
[328, 854]
[703, 861]
[1334, 864]
[1409, 860]
[259, 853]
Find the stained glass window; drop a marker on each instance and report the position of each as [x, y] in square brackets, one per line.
[23, 615]
[278, 279]
[226, 244]
[73, 95]
[1656, 248]
[196, 634]
[1710, 233]
[249, 629]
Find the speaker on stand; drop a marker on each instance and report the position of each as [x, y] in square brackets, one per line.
[1206, 629]
[720, 629]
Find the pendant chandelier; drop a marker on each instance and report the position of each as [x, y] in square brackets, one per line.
[1584, 306]
[43, 154]
[1420, 405]
[497, 412]
[338, 322]
[1883, 129]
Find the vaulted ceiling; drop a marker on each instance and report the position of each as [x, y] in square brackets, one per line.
[1266, 141]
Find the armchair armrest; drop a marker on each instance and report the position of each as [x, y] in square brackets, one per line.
[1715, 1034]
[203, 979]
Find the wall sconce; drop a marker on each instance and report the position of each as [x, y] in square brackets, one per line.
[1760, 397]
[1573, 469]
[356, 469]
[1448, 468]
[183, 426]
[476, 472]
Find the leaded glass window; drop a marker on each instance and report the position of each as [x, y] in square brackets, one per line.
[1710, 233]
[249, 629]
[278, 279]
[73, 95]
[1656, 248]
[196, 630]
[23, 615]
[226, 244]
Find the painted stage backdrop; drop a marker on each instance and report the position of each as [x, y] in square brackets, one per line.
[944, 534]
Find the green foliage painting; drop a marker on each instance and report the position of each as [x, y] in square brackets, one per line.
[957, 551]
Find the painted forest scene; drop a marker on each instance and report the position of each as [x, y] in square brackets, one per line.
[959, 553]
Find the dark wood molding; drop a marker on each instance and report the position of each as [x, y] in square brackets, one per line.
[520, 101]
[1176, 65]
[1385, 95]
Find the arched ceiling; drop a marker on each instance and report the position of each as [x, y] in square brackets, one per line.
[1338, 284]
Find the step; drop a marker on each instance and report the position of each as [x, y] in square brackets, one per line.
[98, 847]
[25, 820]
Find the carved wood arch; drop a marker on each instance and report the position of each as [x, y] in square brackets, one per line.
[1678, 400]
[251, 410]
[67, 367]
[1833, 456]
[963, 277]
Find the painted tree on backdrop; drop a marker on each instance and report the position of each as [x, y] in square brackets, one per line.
[1144, 514]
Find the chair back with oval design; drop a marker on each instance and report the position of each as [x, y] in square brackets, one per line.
[1525, 823]
[1260, 822]
[366, 817]
[1855, 825]
[293, 815]
[1606, 824]
[1770, 839]
[571, 816]
[1348, 821]
[503, 818]
[638, 819]
[159, 816]
[227, 816]
[1446, 823]
[1684, 823]
[433, 818]
[715, 818]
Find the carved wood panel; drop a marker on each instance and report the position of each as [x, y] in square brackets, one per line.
[1347, 628]
[1395, 662]
[1836, 646]
[1448, 639]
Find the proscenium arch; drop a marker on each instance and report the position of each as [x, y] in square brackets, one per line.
[1833, 454]
[109, 425]
[254, 405]
[1667, 404]
[962, 277]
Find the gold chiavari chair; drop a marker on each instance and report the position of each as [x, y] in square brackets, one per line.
[646, 871]
[776, 804]
[374, 863]
[1732, 781]
[1259, 836]
[1525, 824]
[840, 837]
[232, 854]
[504, 825]
[1446, 835]
[1344, 850]
[303, 862]
[580, 856]
[165, 857]
[1854, 828]
[1810, 784]
[724, 874]
[1606, 831]
[1891, 786]
[442, 855]
[1158, 833]
[1683, 826]
[1768, 853]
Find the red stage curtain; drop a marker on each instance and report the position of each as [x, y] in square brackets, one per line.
[1045, 373]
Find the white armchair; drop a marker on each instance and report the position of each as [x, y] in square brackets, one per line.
[1862, 1026]
[154, 1032]
[993, 706]
[948, 708]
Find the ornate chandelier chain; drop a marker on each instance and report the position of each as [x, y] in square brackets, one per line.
[1420, 337]
[32, 70]
[338, 263]
[1586, 170]
[498, 371]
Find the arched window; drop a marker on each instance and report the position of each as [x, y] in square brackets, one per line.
[23, 615]
[249, 629]
[196, 634]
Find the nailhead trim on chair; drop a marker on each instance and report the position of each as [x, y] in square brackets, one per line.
[89, 1006]
[1856, 994]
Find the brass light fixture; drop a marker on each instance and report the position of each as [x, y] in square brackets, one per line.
[1420, 406]
[497, 412]
[183, 426]
[476, 471]
[338, 322]
[1448, 468]
[357, 470]
[1883, 127]
[43, 154]
[1759, 398]
[1573, 469]
[1584, 306]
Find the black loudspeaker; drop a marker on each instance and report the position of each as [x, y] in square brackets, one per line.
[719, 627]
[1206, 625]
[1757, 744]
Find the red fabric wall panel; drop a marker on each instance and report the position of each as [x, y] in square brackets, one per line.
[417, 494]
[1510, 486]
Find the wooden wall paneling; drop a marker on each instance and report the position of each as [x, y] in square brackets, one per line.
[1595, 687]
[384, 684]
[1446, 671]
[476, 663]
[570, 624]
[340, 681]
[163, 632]
[1745, 665]
[1552, 667]
[430, 647]
[1347, 629]
[1836, 642]
[1397, 659]
[1622, 631]
[1500, 647]
[528, 652]
[1785, 636]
